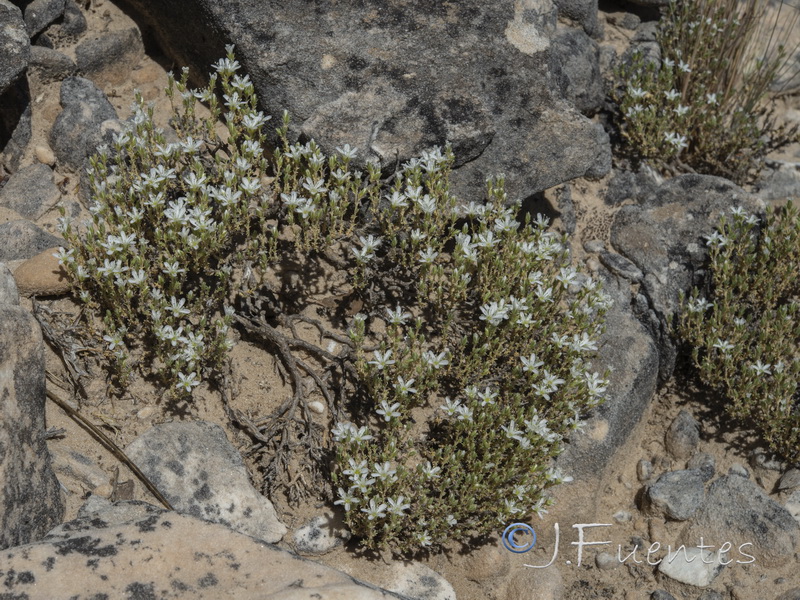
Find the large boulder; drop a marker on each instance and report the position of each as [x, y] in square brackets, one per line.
[30, 498]
[15, 47]
[394, 78]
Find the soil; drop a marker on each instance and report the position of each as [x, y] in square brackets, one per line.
[259, 388]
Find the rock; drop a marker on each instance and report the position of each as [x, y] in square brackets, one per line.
[415, 580]
[683, 435]
[793, 505]
[677, 495]
[781, 183]
[45, 155]
[792, 594]
[15, 124]
[77, 131]
[664, 237]
[738, 470]
[738, 510]
[704, 464]
[30, 498]
[15, 47]
[30, 191]
[606, 561]
[577, 70]
[583, 12]
[51, 65]
[789, 480]
[42, 275]
[622, 516]
[710, 595]
[644, 470]
[201, 474]
[110, 57]
[619, 265]
[79, 467]
[8, 290]
[163, 554]
[22, 239]
[661, 595]
[695, 566]
[625, 20]
[316, 406]
[594, 246]
[762, 459]
[626, 185]
[393, 81]
[320, 535]
[40, 13]
[72, 25]
[629, 351]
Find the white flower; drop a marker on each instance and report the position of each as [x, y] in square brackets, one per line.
[427, 256]
[187, 382]
[137, 277]
[464, 413]
[699, 305]
[760, 368]
[65, 256]
[451, 520]
[346, 498]
[430, 471]
[682, 66]
[384, 472]
[494, 313]
[636, 92]
[436, 361]
[511, 430]
[680, 110]
[114, 340]
[595, 384]
[723, 345]
[404, 387]
[557, 477]
[424, 538]
[398, 505]
[313, 186]
[487, 396]
[172, 269]
[370, 243]
[397, 316]
[382, 359]
[417, 235]
[397, 200]
[450, 407]
[672, 95]
[357, 469]
[347, 151]
[716, 239]
[374, 511]
[531, 364]
[711, 99]
[389, 412]
[583, 343]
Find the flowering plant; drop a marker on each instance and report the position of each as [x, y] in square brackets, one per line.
[745, 327]
[702, 106]
[467, 368]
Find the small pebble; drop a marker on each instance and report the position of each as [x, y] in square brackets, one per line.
[739, 470]
[622, 516]
[316, 406]
[644, 470]
[146, 413]
[606, 561]
[45, 155]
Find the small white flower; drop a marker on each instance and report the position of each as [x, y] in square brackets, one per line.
[347, 151]
[450, 407]
[684, 67]
[172, 269]
[427, 256]
[389, 412]
[711, 99]
[760, 368]
[382, 359]
[347, 499]
[187, 382]
[374, 511]
[436, 361]
[672, 95]
[404, 387]
[723, 345]
[430, 471]
[531, 364]
[397, 316]
[398, 505]
[384, 472]
[636, 92]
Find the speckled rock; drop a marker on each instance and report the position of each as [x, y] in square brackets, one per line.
[695, 566]
[677, 495]
[51, 65]
[30, 191]
[42, 275]
[162, 554]
[202, 474]
[111, 56]
[40, 13]
[415, 580]
[15, 47]
[320, 535]
[737, 510]
[30, 498]
[9, 295]
[683, 435]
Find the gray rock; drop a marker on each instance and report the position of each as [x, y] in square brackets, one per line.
[739, 511]
[625, 20]
[22, 239]
[76, 132]
[577, 69]
[626, 185]
[646, 32]
[320, 535]
[160, 554]
[619, 265]
[594, 246]
[789, 480]
[606, 561]
[695, 566]
[738, 470]
[15, 47]
[793, 505]
[9, 295]
[644, 470]
[710, 595]
[475, 73]
[583, 12]
[781, 183]
[202, 474]
[792, 594]
[40, 13]
[118, 50]
[762, 459]
[51, 65]
[30, 498]
[661, 595]
[78, 467]
[703, 463]
[15, 124]
[683, 435]
[416, 580]
[677, 495]
[664, 237]
[72, 25]
[30, 192]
